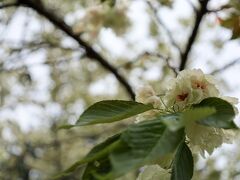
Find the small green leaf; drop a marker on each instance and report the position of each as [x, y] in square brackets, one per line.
[222, 118]
[210, 112]
[110, 2]
[95, 170]
[110, 111]
[66, 126]
[179, 120]
[154, 172]
[143, 143]
[196, 114]
[98, 152]
[172, 121]
[183, 163]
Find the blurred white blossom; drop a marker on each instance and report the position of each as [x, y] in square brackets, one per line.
[147, 95]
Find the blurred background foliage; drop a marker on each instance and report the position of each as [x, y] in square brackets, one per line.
[47, 80]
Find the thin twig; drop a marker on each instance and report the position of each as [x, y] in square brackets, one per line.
[192, 5]
[236, 61]
[155, 54]
[219, 9]
[40, 44]
[199, 16]
[90, 52]
[167, 59]
[26, 66]
[160, 22]
[172, 68]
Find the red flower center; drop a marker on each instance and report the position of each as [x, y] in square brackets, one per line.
[200, 85]
[182, 97]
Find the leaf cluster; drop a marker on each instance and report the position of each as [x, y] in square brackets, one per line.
[147, 142]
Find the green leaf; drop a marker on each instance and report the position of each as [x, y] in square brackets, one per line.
[179, 120]
[212, 111]
[95, 170]
[110, 111]
[154, 172]
[196, 114]
[143, 143]
[183, 163]
[222, 118]
[98, 149]
[110, 2]
[99, 152]
[172, 121]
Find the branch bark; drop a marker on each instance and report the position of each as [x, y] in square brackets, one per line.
[236, 61]
[7, 5]
[167, 59]
[199, 16]
[90, 52]
[161, 23]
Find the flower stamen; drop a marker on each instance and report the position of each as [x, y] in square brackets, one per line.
[182, 97]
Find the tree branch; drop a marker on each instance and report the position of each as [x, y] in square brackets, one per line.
[37, 44]
[236, 61]
[167, 59]
[90, 52]
[24, 66]
[225, 7]
[7, 5]
[192, 5]
[152, 54]
[160, 22]
[199, 15]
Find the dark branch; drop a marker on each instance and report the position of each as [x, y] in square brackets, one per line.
[152, 54]
[199, 16]
[40, 44]
[90, 52]
[225, 7]
[167, 59]
[160, 22]
[236, 61]
[7, 5]
[192, 5]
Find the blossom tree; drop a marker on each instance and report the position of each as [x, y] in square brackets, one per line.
[123, 89]
[190, 117]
